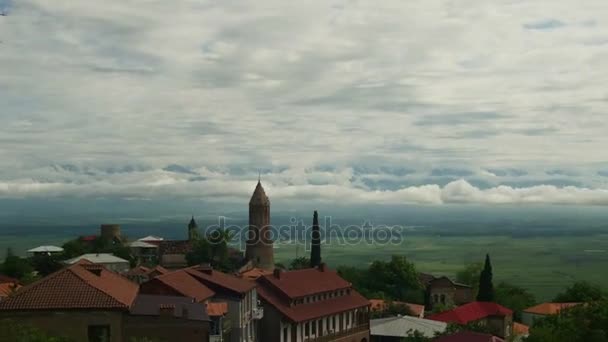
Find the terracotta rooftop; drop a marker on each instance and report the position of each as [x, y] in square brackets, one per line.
[381, 305]
[217, 309]
[80, 286]
[8, 288]
[181, 283]
[142, 270]
[219, 281]
[471, 312]
[306, 282]
[306, 312]
[549, 308]
[520, 329]
[468, 336]
[174, 246]
[254, 273]
[7, 279]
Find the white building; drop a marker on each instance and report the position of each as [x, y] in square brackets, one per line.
[110, 261]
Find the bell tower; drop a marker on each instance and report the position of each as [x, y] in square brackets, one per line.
[259, 240]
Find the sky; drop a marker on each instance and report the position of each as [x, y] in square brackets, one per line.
[386, 102]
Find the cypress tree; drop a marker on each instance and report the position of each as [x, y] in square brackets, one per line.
[486, 288]
[315, 243]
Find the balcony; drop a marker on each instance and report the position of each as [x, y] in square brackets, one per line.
[340, 334]
[258, 312]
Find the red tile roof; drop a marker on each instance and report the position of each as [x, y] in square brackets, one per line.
[7, 289]
[80, 286]
[468, 336]
[549, 308]
[306, 312]
[306, 282]
[6, 279]
[254, 273]
[88, 238]
[217, 309]
[181, 283]
[219, 281]
[381, 305]
[520, 329]
[471, 312]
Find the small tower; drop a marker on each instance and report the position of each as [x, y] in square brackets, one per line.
[259, 249]
[192, 230]
[315, 242]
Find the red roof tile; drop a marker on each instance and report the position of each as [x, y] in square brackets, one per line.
[7, 289]
[254, 273]
[181, 283]
[219, 281]
[305, 282]
[217, 309]
[381, 305]
[6, 279]
[468, 336]
[306, 312]
[520, 329]
[471, 312]
[549, 308]
[88, 238]
[80, 286]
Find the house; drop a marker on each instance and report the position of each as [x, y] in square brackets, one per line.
[172, 253]
[217, 313]
[381, 305]
[469, 336]
[207, 285]
[530, 315]
[45, 250]
[141, 274]
[498, 318]
[395, 329]
[168, 319]
[313, 304]
[111, 262]
[144, 252]
[444, 292]
[88, 302]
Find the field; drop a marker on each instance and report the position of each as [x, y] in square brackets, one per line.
[544, 265]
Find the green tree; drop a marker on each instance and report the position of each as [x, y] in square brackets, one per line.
[469, 275]
[15, 267]
[45, 264]
[514, 297]
[486, 288]
[581, 291]
[299, 263]
[200, 253]
[397, 279]
[72, 249]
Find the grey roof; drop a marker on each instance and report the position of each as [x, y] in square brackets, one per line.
[101, 258]
[142, 244]
[149, 305]
[402, 326]
[259, 196]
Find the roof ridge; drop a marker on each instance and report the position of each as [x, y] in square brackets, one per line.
[96, 286]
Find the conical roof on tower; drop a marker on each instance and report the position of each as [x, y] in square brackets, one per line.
[259, 196]
[192, 223]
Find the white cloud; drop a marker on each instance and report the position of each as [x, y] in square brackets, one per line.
[229, 85]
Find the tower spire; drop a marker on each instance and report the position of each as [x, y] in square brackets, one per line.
[315, 242]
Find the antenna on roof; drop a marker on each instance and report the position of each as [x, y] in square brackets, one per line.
[259, 175]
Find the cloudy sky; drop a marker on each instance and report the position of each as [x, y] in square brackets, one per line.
[426, 101]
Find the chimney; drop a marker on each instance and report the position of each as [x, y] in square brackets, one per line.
[166, 310]
[322, 267]
[277, 273]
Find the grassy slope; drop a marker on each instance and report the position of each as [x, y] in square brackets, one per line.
[544, 265]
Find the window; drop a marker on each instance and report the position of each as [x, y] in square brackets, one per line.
[333, 322]
[285, 334]
[306, 332]
[99, 333]
[435, 298]
[314, 328]
[347, 319]
[442, 299]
